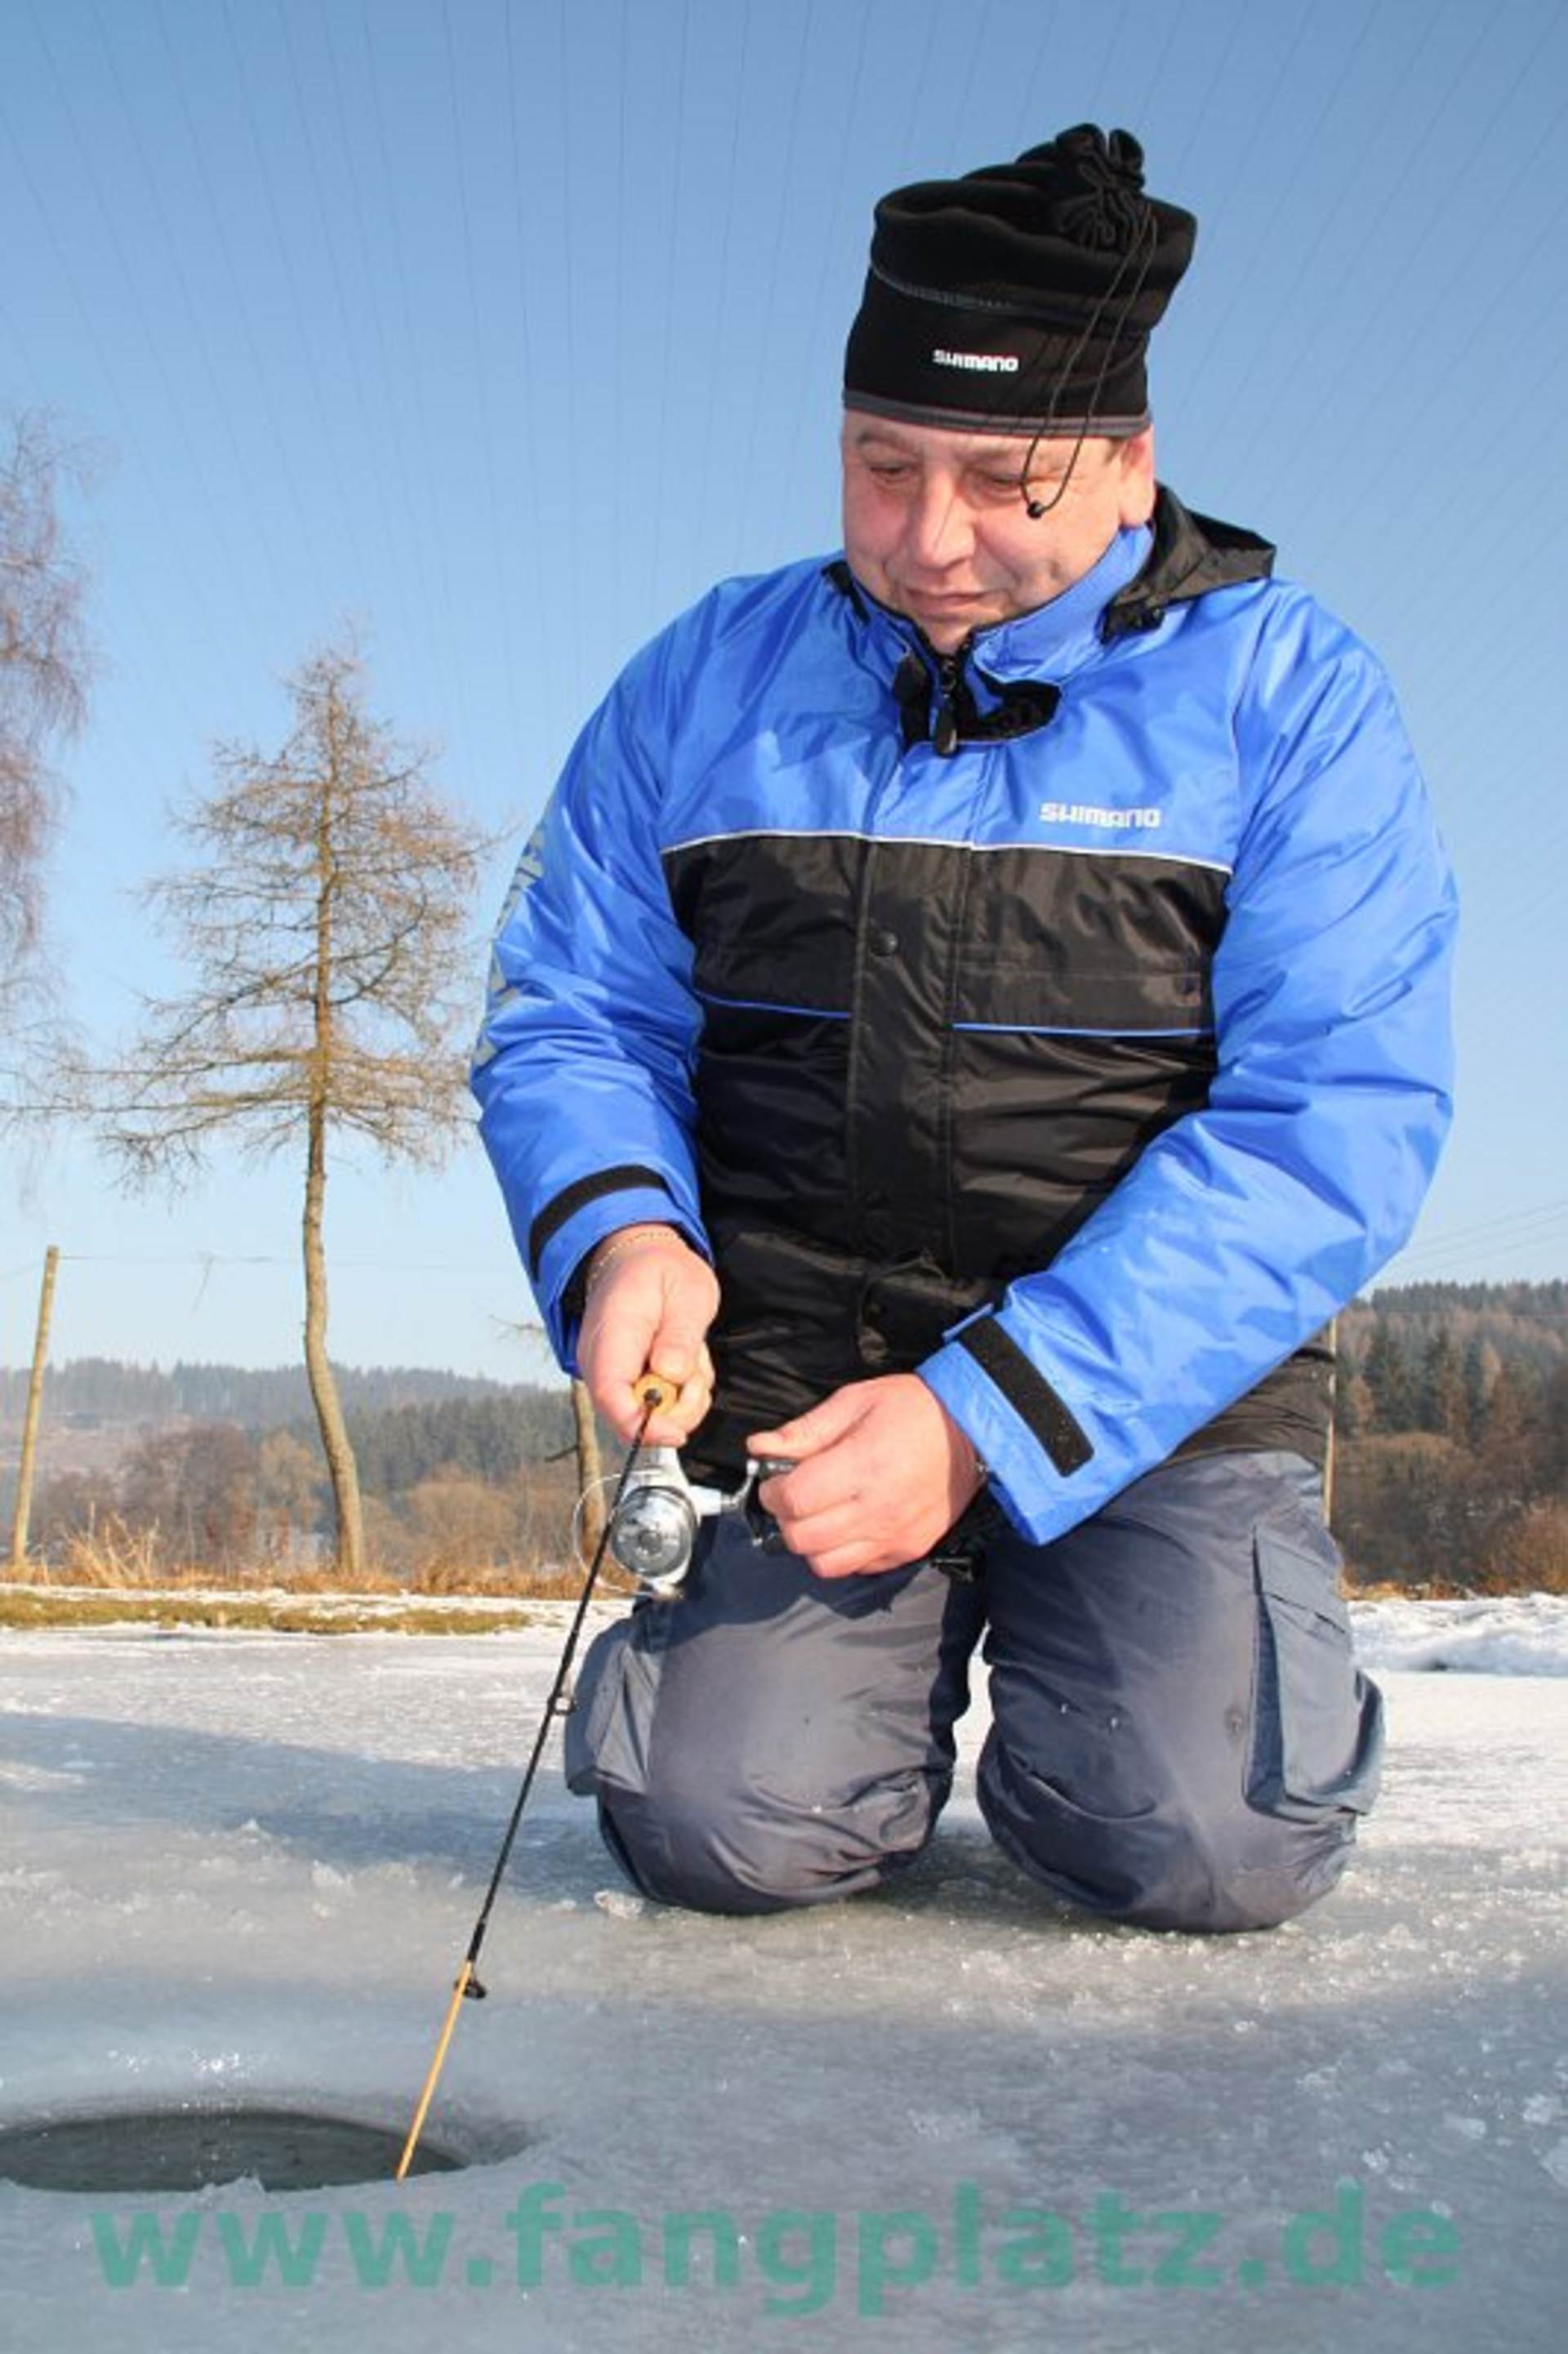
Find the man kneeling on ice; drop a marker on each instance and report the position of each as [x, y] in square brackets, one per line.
[974, 1008]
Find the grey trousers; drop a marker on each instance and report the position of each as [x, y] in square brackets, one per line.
[1179, 1735]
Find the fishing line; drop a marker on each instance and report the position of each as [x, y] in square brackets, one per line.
[651, 1394]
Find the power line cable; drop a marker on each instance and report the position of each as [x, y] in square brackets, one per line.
[1098, 107]
[13, 345]
[1268, 242]
[1476, 1254]
[243, 470]
[544, 628]
[446, 642]
[503, 613]
[1416, 144]
[1438, 527]
[783, 214]
[678, 117]
[977, 47]
[1521, 1226]
[722, 303]
[264, 181]
[1484, 1225]
[935, 13]
[1174, 24]
[390, 402]
[369, 436]
[217, 509]
[88, 316]
[1199, 115]
[568, 305]
[814, 339]
[1027, 133]
[66, 276]
[1457, 269]
[1501, 657]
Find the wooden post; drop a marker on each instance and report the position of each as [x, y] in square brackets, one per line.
[588, 1468]
[30, 1424]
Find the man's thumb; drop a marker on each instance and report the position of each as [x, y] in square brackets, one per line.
[808, 1433]
[676, 1347]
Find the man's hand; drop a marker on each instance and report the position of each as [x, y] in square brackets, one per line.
[882, 1473]
[651, 1298]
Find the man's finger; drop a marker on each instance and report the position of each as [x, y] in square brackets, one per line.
[809, 1434]
[810, 1533]
[847, 1561]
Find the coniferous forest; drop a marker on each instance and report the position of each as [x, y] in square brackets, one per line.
[1451, 1437]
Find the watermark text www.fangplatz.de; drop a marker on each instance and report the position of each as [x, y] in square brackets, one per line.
[804, 2258]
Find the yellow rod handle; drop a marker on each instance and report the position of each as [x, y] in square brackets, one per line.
[655, 1393]
[418, 2127]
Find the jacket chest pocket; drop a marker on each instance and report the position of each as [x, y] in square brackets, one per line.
[1055, 993]
[1120, 946]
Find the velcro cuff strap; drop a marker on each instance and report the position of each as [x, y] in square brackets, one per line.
[1028, 1393]
[575, 1197]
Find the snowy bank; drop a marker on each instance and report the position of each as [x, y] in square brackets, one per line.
[1505, 1635]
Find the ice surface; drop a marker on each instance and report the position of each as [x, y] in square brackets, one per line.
[237, 1866]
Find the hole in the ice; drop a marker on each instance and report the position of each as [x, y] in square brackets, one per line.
[193, 2147]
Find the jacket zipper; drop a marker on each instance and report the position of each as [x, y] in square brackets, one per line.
[945, 733]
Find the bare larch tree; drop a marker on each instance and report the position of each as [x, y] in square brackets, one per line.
[325, 917]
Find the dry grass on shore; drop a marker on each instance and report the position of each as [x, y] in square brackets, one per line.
[26, 1607]
[129, 1570]
[115, 1558]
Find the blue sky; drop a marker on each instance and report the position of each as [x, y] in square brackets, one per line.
[500, 330]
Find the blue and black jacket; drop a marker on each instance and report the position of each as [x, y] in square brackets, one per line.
[1067, 1020]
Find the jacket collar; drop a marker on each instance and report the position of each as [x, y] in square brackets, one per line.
[1144, 571]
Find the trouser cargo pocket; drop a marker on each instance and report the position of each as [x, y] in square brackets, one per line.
[1317, 1721]
[603, 1741]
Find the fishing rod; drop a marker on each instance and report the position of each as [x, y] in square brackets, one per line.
[650, 1530]
[651, 1394]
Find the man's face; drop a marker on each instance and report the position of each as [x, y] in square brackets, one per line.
[935, 522]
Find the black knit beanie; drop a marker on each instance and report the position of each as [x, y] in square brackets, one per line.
[1020, 299]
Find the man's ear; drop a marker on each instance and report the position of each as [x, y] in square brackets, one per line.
[1135, 465]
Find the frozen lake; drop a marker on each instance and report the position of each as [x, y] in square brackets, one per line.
[246, 1867]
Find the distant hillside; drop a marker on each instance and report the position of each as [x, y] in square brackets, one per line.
[222, 1465]
[103, 1390]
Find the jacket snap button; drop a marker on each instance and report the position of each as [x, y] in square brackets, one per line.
[884, 943]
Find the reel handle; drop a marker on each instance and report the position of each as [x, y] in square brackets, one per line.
[760, 1523]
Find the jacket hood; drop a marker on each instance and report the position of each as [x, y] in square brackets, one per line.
[1192, 553]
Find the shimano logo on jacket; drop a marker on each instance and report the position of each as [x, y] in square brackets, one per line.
[991, 363]
[1086, 813]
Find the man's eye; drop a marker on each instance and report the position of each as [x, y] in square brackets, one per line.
[889, 472]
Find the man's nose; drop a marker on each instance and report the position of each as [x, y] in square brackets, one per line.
[939, 530]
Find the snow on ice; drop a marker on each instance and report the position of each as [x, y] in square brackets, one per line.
[246, 1867]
